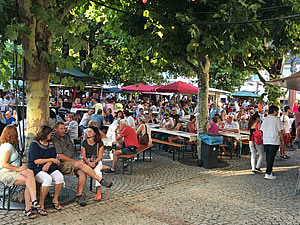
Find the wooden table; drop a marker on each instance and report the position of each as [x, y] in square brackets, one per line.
[190, 136]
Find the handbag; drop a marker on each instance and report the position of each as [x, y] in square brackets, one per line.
[52, 168]
[145, 137]
[257, 136]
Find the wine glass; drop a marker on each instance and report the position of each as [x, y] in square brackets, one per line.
[80, 157]
[93, 158]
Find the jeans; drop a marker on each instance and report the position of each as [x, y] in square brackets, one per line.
[271, 151]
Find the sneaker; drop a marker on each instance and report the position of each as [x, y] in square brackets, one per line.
[287, 157]
[269, 177]
[253, 171]
[283, 157]
[258, 170]
[80, 200]
[109, 171]
[106, 183]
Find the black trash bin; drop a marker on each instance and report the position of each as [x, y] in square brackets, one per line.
[209, 150]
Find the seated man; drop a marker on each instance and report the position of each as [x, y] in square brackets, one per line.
[66, 153]
[231, 126]
[130, 141]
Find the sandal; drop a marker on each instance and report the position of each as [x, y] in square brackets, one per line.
[29, 213]
[98, 196]
[42, 212]
[56, 205]
[35, 204]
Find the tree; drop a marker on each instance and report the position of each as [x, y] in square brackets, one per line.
[226, 78]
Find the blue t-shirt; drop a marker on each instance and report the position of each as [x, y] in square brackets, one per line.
[10, 121]
[39, 151]
[99, 119]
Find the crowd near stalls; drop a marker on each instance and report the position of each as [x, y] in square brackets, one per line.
[130, 124]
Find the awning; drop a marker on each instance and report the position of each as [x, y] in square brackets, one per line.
[139, 87]
[178, 87]
[291, 82]
[245, 94]
[77, 75]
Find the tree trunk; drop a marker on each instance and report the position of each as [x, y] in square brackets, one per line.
[36, 47]
[203, 87]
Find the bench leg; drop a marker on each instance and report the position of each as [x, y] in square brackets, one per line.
[123, 163]
[143, 155]
[3, 197]
[150, 154]
[91, 184]
[174, 154]
[8, 199]
[131, 164]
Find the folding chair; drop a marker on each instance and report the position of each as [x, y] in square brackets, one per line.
[297, 186]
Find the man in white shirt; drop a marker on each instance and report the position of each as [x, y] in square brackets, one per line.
[272, 138]
[231, 126]
[286, 130]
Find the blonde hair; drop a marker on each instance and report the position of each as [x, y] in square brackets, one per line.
[124, 122]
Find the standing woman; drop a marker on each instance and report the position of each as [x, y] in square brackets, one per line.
[92, 152]
[272, 138]
[142, 129]
[254, 124]
[43, 162]
[11, 171]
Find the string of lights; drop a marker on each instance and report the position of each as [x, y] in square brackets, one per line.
[215, 23]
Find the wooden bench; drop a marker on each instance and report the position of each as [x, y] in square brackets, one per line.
[176, 145]
[141, 149]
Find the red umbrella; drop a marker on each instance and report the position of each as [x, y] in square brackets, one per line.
[178, 87]
[139, 87]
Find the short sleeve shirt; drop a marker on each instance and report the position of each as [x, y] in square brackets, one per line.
[130, 137]
[286, 123]
[73, 126]
[91, 149]
[270, 128]
[64, 147]
[14, 156]
[233, 125]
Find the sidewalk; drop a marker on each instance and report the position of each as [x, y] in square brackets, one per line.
[168, 192]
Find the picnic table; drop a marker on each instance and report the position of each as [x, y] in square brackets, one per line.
[190, 136]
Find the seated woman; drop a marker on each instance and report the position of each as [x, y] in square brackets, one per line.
[92, 152]
[43, 162]
[12, 173]
[166, 123]
[71, 126]
[152, 118]
[191, 126]
[177, 126]
[143, 129]
[213, 127]
[77, 104]
[92, 123]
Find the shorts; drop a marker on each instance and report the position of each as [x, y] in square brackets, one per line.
[9, 177]
[129, 150]
[67, 168]
[287, 138]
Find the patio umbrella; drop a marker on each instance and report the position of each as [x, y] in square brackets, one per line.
[178, 87]
[139, 87]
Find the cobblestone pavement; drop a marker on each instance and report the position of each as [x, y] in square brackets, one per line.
[168, 192]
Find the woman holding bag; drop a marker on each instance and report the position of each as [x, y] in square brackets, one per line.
[92, 152]
[43, 162]
[143, 131]
[254, 125]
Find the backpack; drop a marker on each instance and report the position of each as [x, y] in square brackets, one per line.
[257, 136]
[145, 138]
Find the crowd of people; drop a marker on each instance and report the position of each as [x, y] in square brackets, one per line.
[52, 153]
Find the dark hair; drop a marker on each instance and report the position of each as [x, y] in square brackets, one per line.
[126, 112]
[9, 135]
[71, 115]
[42, 133]
[273, 108]
[58, 123]
[192, 117]
[252, 119]
[99, 111]
[286, 108]
[52, 114]
[215, 119]
[97, 132]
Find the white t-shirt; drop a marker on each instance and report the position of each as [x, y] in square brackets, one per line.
[270, 128]
[232, 126]
[286, 125]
